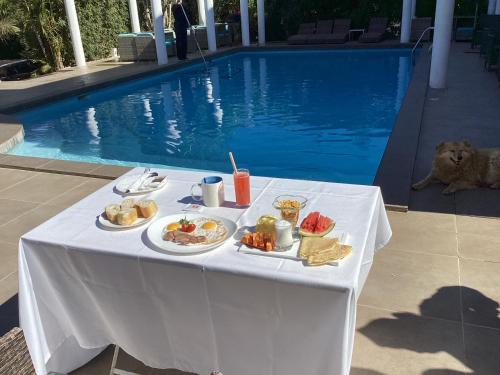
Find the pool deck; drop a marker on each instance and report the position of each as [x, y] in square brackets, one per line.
[430, 305]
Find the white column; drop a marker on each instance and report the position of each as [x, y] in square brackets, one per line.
[245, 28]
[491, 6]
[497, 7]
[441, 43]
[161, 49]
[261, 22]
[414, 9]
[74, 28]
[202, 18]
[406, 21]
[210, 20]
[134, 16]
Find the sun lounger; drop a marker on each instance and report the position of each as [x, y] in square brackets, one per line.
[340, 32]
[306, 30]
[376, 30]
[418, 25]
[323, 30]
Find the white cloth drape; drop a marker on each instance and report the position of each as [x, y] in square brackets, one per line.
[82, 288]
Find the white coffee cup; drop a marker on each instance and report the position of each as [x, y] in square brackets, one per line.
[212, 191]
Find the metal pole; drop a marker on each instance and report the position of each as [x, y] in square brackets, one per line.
[261, 22]
[134, 16]
[74, 28]
[161, 50]
[245, 28]
[441, 43]
[406, 21]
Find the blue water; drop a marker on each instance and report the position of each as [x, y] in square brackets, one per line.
[322, 115]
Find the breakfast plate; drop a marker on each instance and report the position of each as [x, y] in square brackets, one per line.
[293, 252]
[209, 233]
[106, 224]
[146, 184]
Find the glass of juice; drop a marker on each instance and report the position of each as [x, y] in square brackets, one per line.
[242, 187]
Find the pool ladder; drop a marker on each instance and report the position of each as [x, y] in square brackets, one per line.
[418, 42]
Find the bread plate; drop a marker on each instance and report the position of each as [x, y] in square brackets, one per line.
[148, 185]
[156, 231]
[106, 224]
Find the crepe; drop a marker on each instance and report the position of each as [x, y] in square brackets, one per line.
[313, 245]
[325, 257]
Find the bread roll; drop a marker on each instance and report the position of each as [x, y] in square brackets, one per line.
[111, 211]
[146, 208]
[126, 216]
[128, 203]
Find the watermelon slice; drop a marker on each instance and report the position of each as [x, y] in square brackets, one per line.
[316, 225]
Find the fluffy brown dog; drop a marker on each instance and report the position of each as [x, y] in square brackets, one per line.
[463, 167]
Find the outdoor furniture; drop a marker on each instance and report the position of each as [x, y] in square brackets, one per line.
[82, 288]
[341, 31]
[14, 356]
[376, 30]
[485, 23]
[418, 26]
[323, 31]
[142, 47]
[304, 33]
[352, 31]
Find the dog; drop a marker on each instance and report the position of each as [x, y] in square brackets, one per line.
[463, 167]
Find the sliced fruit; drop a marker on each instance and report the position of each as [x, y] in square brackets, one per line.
[316, 225]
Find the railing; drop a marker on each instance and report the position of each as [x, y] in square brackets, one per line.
[418, 42]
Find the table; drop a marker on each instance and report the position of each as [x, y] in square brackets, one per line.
[362, 31]
[82, 288]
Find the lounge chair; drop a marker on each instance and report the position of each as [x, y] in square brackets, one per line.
[304, 33]
[340, 32]
[323, 31]
[376, 30]
[418, 25]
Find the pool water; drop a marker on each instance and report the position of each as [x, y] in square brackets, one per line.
[321, 115]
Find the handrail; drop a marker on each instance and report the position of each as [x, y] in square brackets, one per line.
[418, 42]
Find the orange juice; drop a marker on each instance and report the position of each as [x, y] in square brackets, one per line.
[242, 187]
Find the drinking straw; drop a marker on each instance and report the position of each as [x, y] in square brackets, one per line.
[231, 157]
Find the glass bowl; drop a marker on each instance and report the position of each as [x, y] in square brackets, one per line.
[289, 207]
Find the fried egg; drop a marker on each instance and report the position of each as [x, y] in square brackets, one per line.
[173, 226]
[213, 230]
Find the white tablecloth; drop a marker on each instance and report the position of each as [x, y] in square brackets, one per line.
[82, 288]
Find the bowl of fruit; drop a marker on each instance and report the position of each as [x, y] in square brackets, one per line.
[289, 207]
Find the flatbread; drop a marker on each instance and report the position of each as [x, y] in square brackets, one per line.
[324, 257]
[313, 245]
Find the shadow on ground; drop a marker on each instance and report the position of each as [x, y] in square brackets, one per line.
[9, 315]
[410, 331]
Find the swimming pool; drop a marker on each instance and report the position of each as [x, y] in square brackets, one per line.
[321, 115]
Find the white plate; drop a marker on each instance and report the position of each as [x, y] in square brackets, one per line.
[124, 183]
[293, 252]
[106, 224]
[157, 229]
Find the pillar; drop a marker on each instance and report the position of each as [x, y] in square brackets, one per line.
[406, 21]
[497, 7]
[261, 22]
[245, 28]
[492, 6]
[134, 16]
[202, 18]
[161, 49]
[414, 9]
[74, 28]
[210, 20]
[441, 43]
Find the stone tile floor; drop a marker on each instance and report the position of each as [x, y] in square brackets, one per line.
[429, 307]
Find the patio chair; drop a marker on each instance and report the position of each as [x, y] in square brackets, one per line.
[485, 23]
[418, 25]
[340, 32]
[14, 356]
[376, 30]
[126, 47]
[323, 30]
[304, 33]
